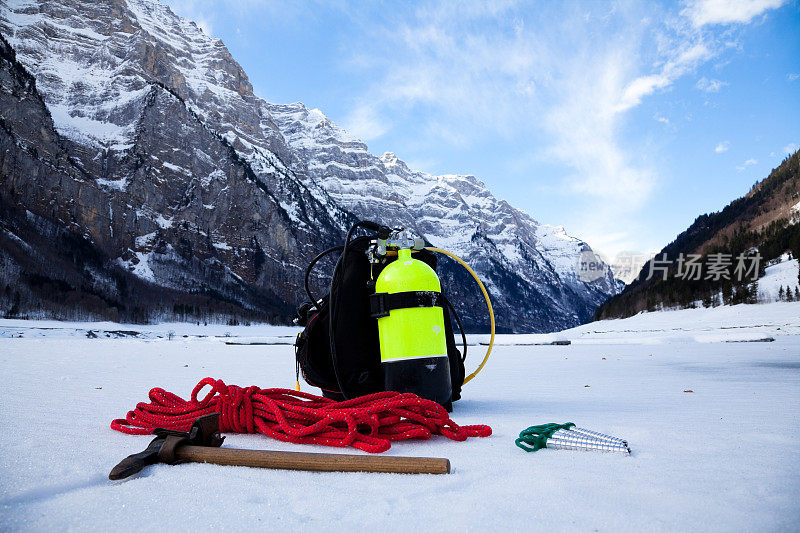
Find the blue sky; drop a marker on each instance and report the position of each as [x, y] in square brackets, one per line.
[621, 121]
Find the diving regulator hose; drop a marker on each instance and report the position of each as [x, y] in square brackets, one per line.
[488, 305]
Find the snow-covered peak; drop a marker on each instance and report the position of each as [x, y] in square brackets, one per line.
[390, 161]
[556, 234]
[163, 23]
[310, 128]
[97, 63]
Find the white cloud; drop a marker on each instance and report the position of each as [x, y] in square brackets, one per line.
[564, 76]
[790, 148]
[710, 85]
[475, 71]
[708, 12]
[746, 164]
[365, 123]
[792, 76]
[686, 58]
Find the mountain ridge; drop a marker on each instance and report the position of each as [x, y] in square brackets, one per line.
[165, 124]
[765, 220]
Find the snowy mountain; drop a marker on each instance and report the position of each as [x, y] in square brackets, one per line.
[522, 260]
[166, 166]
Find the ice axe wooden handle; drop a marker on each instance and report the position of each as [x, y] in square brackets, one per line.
[201, 444]
[316, 462]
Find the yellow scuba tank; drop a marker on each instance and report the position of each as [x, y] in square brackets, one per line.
[408, 304]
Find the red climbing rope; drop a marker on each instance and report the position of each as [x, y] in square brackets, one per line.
[369, 423]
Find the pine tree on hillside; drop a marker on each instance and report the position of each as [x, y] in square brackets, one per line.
[789, 297]
[752, 298]
[797, 294]
[727, 294]
[780, 294]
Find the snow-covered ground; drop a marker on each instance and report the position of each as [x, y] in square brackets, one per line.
[730, 323]
[52, 329]
[781, 275]
[725, 456]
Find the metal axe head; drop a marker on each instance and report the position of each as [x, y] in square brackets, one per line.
[204, 432]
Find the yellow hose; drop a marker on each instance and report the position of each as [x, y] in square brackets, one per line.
[488, 304]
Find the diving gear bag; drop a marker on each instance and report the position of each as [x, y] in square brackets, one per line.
[353, 368]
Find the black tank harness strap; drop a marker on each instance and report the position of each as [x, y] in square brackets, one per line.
[381, 303]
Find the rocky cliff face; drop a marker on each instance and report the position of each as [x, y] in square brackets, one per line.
[181, 179]
[53, 259]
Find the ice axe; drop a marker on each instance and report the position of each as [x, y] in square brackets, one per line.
[201, 444]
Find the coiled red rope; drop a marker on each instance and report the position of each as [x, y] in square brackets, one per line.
[369, 423]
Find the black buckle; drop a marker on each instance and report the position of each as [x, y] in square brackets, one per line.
[377, 305]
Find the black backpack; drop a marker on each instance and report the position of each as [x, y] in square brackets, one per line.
[354, 368]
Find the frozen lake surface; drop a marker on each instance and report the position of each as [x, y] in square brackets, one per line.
[725, 456]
